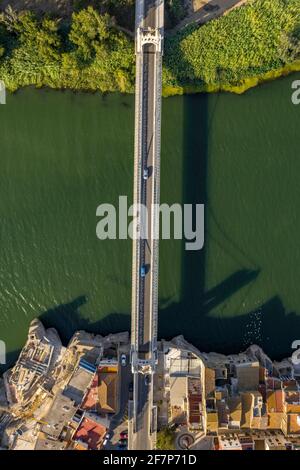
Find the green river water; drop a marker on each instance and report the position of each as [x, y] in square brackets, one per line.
[62, 154]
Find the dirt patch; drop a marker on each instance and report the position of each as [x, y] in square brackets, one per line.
[197, 4]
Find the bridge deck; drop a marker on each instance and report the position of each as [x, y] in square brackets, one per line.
[149, 14]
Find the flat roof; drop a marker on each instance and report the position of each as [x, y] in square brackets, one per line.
[61, 412]
[78, 385]
[178, 390]
[185, 366]
[44, 443]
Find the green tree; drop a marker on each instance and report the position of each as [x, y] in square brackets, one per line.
[290, 47]
[176, 11]
[249, 42]
[89, 30]
[38, 36]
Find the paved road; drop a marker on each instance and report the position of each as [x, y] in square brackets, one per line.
[210, 10]
[148, 15]
[118, 423]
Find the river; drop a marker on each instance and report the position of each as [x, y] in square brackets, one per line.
[62, 154]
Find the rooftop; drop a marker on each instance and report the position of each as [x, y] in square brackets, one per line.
[61, 412]
[91, 399]
[294, 423]
[44, 443]
[78, 385]
[235, 408]
[248, 376]
[178, 391]
[107, 389]
[91, 433]
[275, 401]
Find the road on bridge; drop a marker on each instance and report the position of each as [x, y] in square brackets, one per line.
[149, 36]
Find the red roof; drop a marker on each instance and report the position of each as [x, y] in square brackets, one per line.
[91, 400]
[194, 400]
[91, 433]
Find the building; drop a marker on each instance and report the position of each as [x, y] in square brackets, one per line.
[275, 401]
[108, 389]
[210, 382]
[235, 412]
[293, 424]
[61, 413]
[90, 434]
[44, 443]
[90, 401]
[80, 381]
[194, 402]
[178, 400]
[248, 376]
[270, 440]
[229, 442]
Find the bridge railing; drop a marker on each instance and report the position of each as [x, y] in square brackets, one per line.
[156, 196]
[136, 198]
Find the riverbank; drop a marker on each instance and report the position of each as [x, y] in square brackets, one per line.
[252, 44]
[238, 89]
[56, 398]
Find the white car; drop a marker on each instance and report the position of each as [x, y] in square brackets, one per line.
[146, 173]
[107, 437]
[123, 360]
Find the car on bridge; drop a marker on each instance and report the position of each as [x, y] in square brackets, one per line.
[146, 173]
[143, 271]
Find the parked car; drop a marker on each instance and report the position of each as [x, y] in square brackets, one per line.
[105, 442]
[107, 437]
[123, 442]
[123, 360]
[124, 435]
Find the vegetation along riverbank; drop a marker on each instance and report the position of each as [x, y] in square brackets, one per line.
[90, 50]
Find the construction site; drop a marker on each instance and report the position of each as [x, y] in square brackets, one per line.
[58, 397]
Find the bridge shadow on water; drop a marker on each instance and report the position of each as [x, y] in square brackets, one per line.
[183, 315]
[193, 315]
[270, 325]
[225, 335]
